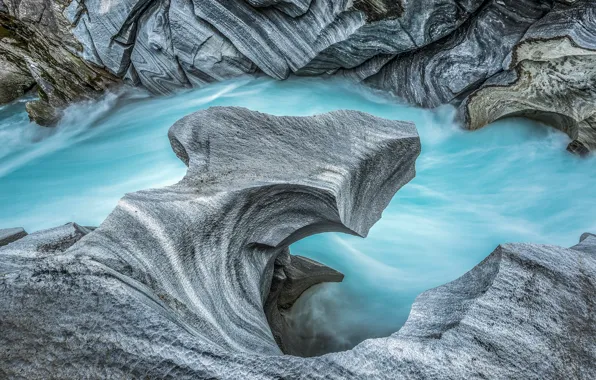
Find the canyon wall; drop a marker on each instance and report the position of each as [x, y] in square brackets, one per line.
[425, 52]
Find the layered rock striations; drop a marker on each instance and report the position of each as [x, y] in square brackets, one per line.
[38, 48]
[191, 281]
[8, 235]
[179, 278]
[551, 77]
[426, 52]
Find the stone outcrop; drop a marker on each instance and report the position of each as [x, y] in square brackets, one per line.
[14, 82]
[201, 266]
[37, 47]
[48, 241]
[9, 235]
[551, 77]
[426, 52]
[190, 281]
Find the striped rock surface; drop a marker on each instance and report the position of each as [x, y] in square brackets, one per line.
[177, 282]
[551, 78]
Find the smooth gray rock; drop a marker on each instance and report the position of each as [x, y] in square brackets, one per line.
[187, 270]
[523, 313]
[451, 67]
[278, 37]
[587, 243]
[319, 37]
[9, 235]
[292, 8]
[388, 32]
[425, 52]
[175, 283]
[208, 56]
[49, 241]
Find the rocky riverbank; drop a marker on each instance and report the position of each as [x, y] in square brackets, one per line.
[474, 53]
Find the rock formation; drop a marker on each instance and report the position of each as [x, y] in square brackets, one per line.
[190, 281]
[204, 263]
[37, 47]
[8, 235]
[14, 82]
[426, 52]
[551, 77]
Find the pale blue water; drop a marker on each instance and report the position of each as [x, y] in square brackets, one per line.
[512, 181]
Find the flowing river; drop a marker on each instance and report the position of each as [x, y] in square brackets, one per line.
[512, 181]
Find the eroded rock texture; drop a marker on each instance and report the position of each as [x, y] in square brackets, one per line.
[8, 235]
[190, 280]
[38, 48]
[200, 271]
[551, 77]
[426, 52]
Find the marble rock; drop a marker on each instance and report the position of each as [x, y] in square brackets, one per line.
[425, 52]
[182, 42]
[550, 77]
[49, 241]
[188, 269]
[449, 68]
[190, 281]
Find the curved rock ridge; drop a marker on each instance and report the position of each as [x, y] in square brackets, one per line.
[551, 77]
[280, 37]
[180, 282]
[454, 65]
[204, 263]
[49, 241]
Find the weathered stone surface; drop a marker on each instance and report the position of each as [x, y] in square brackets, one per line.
[426, 52]
[36, 39]
[292, 8]
[277, 37]
[442, 71]
[194, 262]
[388, 31]
[13, 81]
[53, 240]
[175, 282]
[524, 312]
[9, 235]
[551, 77]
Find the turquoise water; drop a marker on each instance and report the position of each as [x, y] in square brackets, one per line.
[512, 181]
